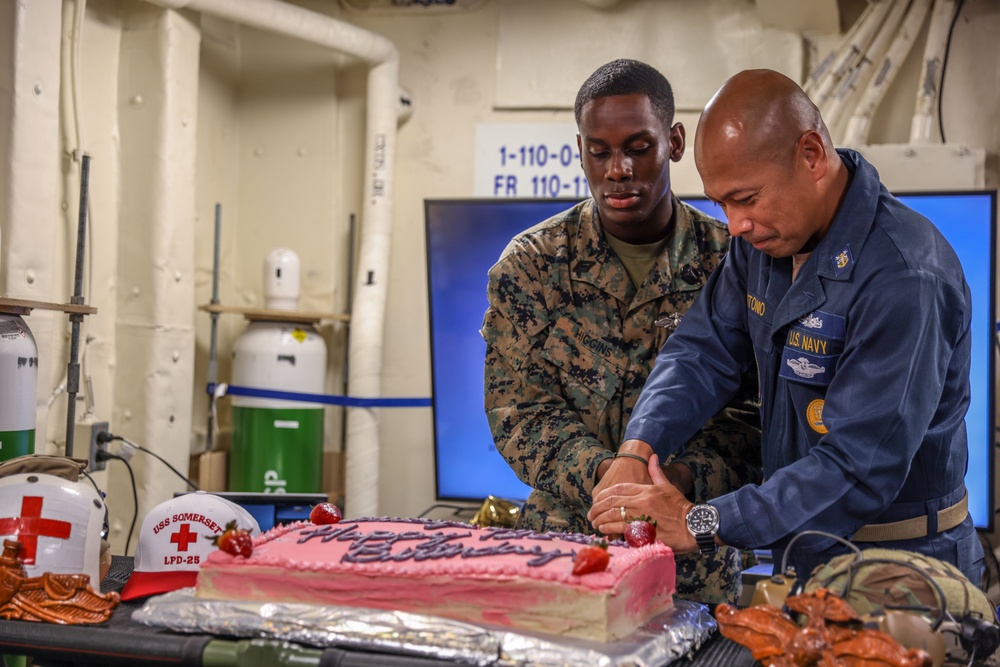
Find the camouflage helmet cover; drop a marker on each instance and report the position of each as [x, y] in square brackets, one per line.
[899, 579]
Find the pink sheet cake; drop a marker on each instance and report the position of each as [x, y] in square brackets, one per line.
[512, 578]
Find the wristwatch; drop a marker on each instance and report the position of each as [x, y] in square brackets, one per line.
[703, 522]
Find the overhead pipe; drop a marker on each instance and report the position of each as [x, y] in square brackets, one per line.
[859, 124]
[368, 308]
[931, 71]
[838, 53]
[852, 52]
[848, 89]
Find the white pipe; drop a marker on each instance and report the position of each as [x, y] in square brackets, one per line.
[291, 21]
[868, 25]
[859, 125]
[371, 285]
[931, 71]
[855, 51]
[826, 66]
[405, 109]
[368, 309]
[846, 93]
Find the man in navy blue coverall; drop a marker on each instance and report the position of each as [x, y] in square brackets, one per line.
[856, 312]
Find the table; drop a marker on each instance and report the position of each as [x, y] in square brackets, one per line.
[122, 641]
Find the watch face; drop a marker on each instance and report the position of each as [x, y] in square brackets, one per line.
[703, 519]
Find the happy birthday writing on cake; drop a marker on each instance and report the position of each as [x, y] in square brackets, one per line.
[377, 545]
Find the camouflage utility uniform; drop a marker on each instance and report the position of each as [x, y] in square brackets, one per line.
[569, 344]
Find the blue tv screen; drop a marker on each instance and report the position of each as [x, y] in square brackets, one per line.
[465, 238]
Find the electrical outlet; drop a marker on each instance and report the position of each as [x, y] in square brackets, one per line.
[87, 432]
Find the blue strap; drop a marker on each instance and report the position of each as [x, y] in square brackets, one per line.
[327, 399]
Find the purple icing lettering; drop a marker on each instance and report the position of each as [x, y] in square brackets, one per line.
[372, 553]
[377, 546]
[327, 533]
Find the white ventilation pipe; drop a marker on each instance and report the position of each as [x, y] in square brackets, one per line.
[372, 271]
[841, 52]
[859, 125]
[847, 92]
[931, 72]
[849, 53]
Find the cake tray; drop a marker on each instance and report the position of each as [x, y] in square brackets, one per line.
[673, 634]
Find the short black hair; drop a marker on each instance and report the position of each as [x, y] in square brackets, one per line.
[628, 77]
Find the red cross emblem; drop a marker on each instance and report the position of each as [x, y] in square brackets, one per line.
[30, 526]
[183, 537]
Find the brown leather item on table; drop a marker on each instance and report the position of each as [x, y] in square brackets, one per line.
[66, 599]
[832, 636]
[59, 466]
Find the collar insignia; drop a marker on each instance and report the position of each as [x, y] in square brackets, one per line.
[842, 260]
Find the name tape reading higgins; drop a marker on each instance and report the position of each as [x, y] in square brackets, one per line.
[531, 160]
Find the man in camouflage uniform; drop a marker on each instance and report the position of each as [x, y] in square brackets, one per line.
[581, 304]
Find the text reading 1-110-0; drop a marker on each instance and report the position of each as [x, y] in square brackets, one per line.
[538, 155]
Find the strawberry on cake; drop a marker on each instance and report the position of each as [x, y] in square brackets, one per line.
[511, 578]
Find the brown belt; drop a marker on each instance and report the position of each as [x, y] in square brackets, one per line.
[913, 528]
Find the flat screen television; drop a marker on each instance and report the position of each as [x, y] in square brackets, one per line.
[465, 238]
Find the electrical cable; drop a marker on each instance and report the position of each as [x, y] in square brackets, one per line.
[96, 488]
[859, 560]
[105, 528]
[788, 549]
[978, 637]
[992, 564]
[76, 40]
[852, 571]
[108, 437]
[104, 456]
[944, 66]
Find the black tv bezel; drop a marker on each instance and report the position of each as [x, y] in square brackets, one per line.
[993, 331]
[994, 327]
[462, 201]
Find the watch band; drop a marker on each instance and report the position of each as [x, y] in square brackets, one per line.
[706, 543]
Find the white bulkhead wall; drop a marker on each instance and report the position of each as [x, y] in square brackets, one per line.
[122, 87]
[30, 193]
[180, 112]
[154, 342]
[268, 151]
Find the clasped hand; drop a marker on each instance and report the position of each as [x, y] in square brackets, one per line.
[641, 493]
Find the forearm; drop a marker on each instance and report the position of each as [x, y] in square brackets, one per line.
[679, 474]
[726, 454]
[544, 441]
[697, 372]
[552, 459]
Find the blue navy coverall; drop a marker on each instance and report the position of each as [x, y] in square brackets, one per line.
[864, 381]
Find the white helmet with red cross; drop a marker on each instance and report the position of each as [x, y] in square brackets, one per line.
[57, 522]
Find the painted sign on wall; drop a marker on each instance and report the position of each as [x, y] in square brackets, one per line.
[528, 160]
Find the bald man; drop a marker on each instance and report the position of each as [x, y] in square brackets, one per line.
[856, 312]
